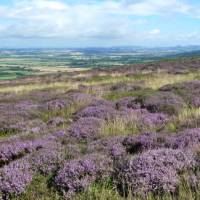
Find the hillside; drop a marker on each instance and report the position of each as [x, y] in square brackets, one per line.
[105, 133]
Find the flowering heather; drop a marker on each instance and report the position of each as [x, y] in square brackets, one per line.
[21, 109]
[18, 148]
[77, 175]
[57, 104]
[74, 138]
[131, 114]
[189, 138]
[15, 177]
[165, 102]
[153, 120]
[52, 155]
[196, 102]
[8, 122]
[101, 102]
[143, 119]
[59, 134]
[16, 118]
[121, 87]
[79, 98]
[86, 128]
[56, 121]
[30, 126]
[155, 171]
[11, 151]
[27, 105]
[110, 146]
[102, 112]
[146, 141]
[72, 151]
[127, 102]
[190, 91]
[47, 160]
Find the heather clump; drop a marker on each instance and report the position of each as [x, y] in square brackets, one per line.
[56, 122]
[15, 177]
[47, 160]
[68, 102]
[86, 128]
[102, 112]
[145, 141]
[152, 121]
[80, 98]
[155, 171]
[34, 126]
[28, 105]
[121, 87]
[165, 102]
[190, 91]
[77, 175]
[111, 146]
[15, 149]
[130, 121]
[127, 102]
[189, 138]
[57, 104]
[101, 102]
[19, 110]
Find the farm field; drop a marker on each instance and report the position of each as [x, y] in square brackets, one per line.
[18, 63]
[115, 133]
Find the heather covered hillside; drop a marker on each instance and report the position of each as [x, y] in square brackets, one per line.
[103, 134]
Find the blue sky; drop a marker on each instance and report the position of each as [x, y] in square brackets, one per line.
[80, 23]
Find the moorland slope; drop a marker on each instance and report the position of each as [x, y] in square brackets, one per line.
[118, 133]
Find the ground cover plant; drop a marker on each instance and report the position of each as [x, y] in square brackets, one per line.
[122, 134]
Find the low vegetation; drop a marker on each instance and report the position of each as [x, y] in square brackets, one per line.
[121, 134]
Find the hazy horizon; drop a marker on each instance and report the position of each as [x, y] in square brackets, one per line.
[102, 47]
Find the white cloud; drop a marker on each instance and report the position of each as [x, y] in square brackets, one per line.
[155, 31]
[43, 18]
[158, 7]
[82, 20]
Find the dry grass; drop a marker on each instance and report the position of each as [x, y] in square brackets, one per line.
[153, 81]
[161, 79]
[187, 118]
[189, 113]
[118, 126]
[38, 86]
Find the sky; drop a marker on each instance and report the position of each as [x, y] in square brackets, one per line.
[98, 23]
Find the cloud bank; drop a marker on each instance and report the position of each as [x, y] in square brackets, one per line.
[92, 21]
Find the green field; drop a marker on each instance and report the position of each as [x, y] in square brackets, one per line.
[22, 63]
